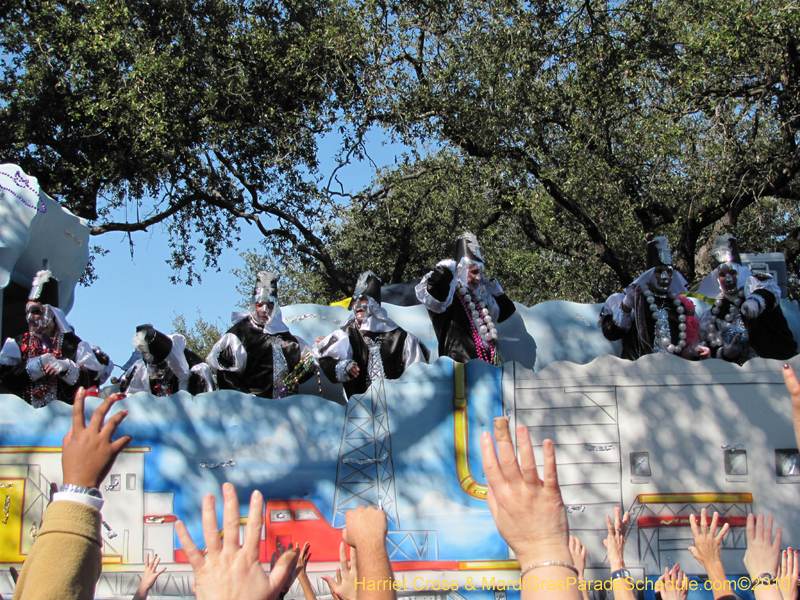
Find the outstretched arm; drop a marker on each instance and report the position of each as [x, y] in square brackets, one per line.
[793, 386]
[226, 569]
[528, 511]
[707, 550]
[149, 576]
[65, 560]
[365, 530]
[762, 556]
[615, 547]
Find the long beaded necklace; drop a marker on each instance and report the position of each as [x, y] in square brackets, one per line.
[732, 317]
[484, 332]
[662, 336]
[42, 391]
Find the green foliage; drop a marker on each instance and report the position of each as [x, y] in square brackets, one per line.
[567, 132]
[195, 114]
[201, 335]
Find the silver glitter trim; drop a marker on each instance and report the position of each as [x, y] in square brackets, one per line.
[111, 533]
[311, 316]
[593, 448]
[733, 447]
[279, 368]
[573, 509]
[213, 465]
[365, 461]
[375, 370]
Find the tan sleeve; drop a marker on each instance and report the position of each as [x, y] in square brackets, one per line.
[65, 561]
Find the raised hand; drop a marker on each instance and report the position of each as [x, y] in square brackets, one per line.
[229, 571]
[88, 453]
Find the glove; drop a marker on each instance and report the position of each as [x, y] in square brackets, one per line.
[731, 349]
[225, 359]
[440, 272]
[630, 296]
[494, 287]
[751, 308]
[196, 383]
[63, 365]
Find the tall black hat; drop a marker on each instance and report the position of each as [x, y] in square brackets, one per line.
[658, 254]
[726, 249]
[154, 345]
[44, 288]
[368, 284]
[265, 288]
[467, 245]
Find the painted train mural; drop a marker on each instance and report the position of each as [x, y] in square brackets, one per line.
[661, 437]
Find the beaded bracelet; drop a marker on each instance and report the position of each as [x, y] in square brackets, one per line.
[548, 563]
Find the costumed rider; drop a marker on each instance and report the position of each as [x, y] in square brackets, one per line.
[464, 305]
[166, 366]
[258, 355]
[370, 346]
[49, 362]
[652, 316]
[746, 319]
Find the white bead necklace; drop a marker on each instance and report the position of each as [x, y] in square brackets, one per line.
[479, 313]
[713, 336]
[662, 335]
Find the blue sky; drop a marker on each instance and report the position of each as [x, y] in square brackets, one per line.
[134, 290]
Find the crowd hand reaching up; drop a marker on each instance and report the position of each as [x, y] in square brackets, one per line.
[788, 574]
[793, 386]
[707, 549]
[229, 571]
[88, 453]
[615, 542]
[528, 511]
[615, 549]
[300, 572]
[149, 576]
[578, 552]
[344, 586]
[673, 584]
[763, 554]
[365, 530]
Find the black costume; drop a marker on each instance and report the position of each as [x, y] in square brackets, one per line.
[260, 357]
[652, 316]
[747, 314]
[376, 345]
[166, 366]
[258, 374]
[638, 337]
[23, 359]
[464, 318]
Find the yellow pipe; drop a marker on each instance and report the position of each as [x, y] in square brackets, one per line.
[461, 434]
[701, 498]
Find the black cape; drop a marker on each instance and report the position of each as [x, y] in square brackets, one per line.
[392, 345]
[453, 326]
[16, 379]
[257, 376]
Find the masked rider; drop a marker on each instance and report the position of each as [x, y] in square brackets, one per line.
[258, 355]
[370, 346]
[653, 316]
[166, 366]
[464, 306]
[49, 362]
[746, 319]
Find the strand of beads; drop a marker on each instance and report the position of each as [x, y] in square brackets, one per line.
[484, 332]
[479, 312]
[714, 336]
[666, 340]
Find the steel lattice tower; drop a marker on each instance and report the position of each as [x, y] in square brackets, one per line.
[365, 473]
